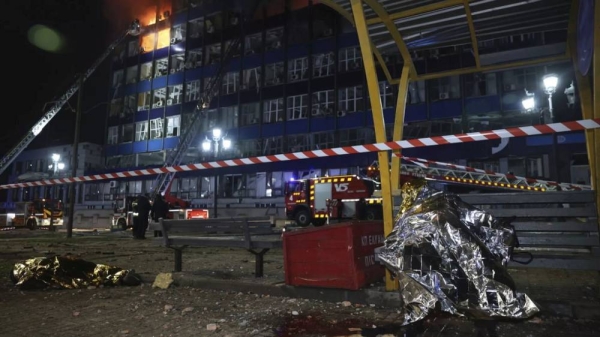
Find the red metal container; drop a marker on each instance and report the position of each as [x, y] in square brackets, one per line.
[334, 256]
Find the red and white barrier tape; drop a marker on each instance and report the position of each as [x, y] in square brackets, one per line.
[421, 161]
[584, 124]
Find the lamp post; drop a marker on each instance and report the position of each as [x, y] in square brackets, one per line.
[56, 167]
[217, 143]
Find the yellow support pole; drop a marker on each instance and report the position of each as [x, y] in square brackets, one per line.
[399, 126]
[378, 122]
[596, 78]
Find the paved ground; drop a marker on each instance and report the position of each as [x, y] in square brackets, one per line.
[570, 299]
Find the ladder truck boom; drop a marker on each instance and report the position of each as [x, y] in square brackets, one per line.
[134, 30]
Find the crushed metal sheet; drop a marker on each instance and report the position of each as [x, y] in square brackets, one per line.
[68, 272]
[447, 252]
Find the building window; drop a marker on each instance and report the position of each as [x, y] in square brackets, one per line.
[249, 148]
[445, 88]
[229, 117]
[323, 65]
[141, 131]
[323, 140]
[480, 84]
[192, 91]
[164, 37]
[144, 99]
[126, 133]
[147, 43]
[251, 79]
[253, 44]
[350, 59]
[297, 107]
[175, 93]
[274, 74]
[386, 93]
[194, 58]
[213, 54]
[130, 105]
[416, 92]
[196, 28]
[116, 107]
[159, 99]
[323, 103]
[214, 23]
[297, 69]
[161, 67]
[133, 48]
[113, 135]
[519, 79]
[350, 100]
[132, 75]
[231, 49]
[273, 38]
[272, 145]
[146, 71]
[211, 118]
[211, 87]
[156, 128]
[350, 137]
[250, 114]
[273, 111]
[230, 82]
[173, 126]
[117, 78]
[177, 63]
[298, 143]
[178, 34]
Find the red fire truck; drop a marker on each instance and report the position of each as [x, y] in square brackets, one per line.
[315, 200]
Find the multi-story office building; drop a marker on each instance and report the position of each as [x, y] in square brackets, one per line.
[296, 82]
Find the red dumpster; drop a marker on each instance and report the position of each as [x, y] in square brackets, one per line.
[334, 256]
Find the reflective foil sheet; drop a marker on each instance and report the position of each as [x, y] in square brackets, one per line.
[68, 273]
[446, 252]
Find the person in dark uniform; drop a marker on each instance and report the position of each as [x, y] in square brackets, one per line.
[160, 209]
[143, 212]
[361, 209]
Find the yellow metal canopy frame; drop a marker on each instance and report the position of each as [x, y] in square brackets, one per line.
[385, 26]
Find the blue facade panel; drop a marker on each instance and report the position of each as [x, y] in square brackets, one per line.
[249, 132]
[274, 56]
[299, 126]
[446, 109]
[173, 110]
[161, 53]
[322, 124]
[563, 138]
[297, 51]
[155, 145]
[347, 40]
[415, 113]
[141, 116]
[272, 130]
[146, 57]
[143, 86]
[176, 78]
[482, 105]
[354, 120]
[252, 61]
[171, 142]
[159, 82]
[130, 89]
[195, 12]
[126, 148]
[111, 150]
[157, 113]
[193, 74]
[140, 147]
[323, 46]
[179, 18]
[210, 70]
[234, 65]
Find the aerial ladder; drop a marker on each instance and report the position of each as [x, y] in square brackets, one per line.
[162, 183]
[133, 30]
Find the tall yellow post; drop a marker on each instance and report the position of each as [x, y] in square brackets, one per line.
[596, 77]
[399, 126]
[378, 121]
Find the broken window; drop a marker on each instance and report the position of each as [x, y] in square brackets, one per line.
[196, 28]
[126, 133]
[130, 104]
[175, 93]
[159, 99]
[211, 86]
[211, 118]
[214, 23]
[323, 64]
[132, 75]
[350, 59]
[274, 74]
[113, 135]
[387, 95]
[161, 67]
[147, 43]
[272, 145]
[173, 126]
[143, 101]
[230, 82]
[322, 140]
[232, 48]
[350, 100]
[298, 143]
[444, 88]
[178, 34]
[273, 38]
[297, 69]
[250, 114]
[177, 63]
[480, 84]
[192, 91]
[146, 71]
[116, 107]
[229, 117]
[117, 78]
[416, 92]
[273, 111]
[164, 38]
[194, 58]
[179, 5]
[141, 131]
[213, 54]
[297, 107]
[133, 48]
[253, 44]
[323, 103]
[251, 80]
[250, 148]
[156, 128]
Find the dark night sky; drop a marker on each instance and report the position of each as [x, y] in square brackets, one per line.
[34, 76]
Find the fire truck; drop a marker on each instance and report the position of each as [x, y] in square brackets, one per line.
[37, 213]
[315, 200]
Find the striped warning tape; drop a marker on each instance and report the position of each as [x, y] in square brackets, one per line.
[524, 131]
[425, 163]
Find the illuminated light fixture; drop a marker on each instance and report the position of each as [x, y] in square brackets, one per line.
[528, 103]
[206, 145]
[55, 157]
[216, 133]
[226, 144]
[550, 83]
[61, 166]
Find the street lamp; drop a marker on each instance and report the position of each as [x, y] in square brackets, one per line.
[218, 141]
[56, 165]
[550, 83]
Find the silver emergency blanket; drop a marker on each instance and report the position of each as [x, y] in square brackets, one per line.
[447, 252]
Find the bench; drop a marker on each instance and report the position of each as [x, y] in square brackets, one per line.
[255, 235]
[559, 229]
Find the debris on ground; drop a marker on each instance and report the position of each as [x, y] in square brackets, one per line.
[163, 281]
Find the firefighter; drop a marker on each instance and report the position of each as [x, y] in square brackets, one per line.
[141, 209]
[340, 210]
[361, 209]
[160, 209]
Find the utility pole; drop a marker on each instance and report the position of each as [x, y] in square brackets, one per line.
[75, 159]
